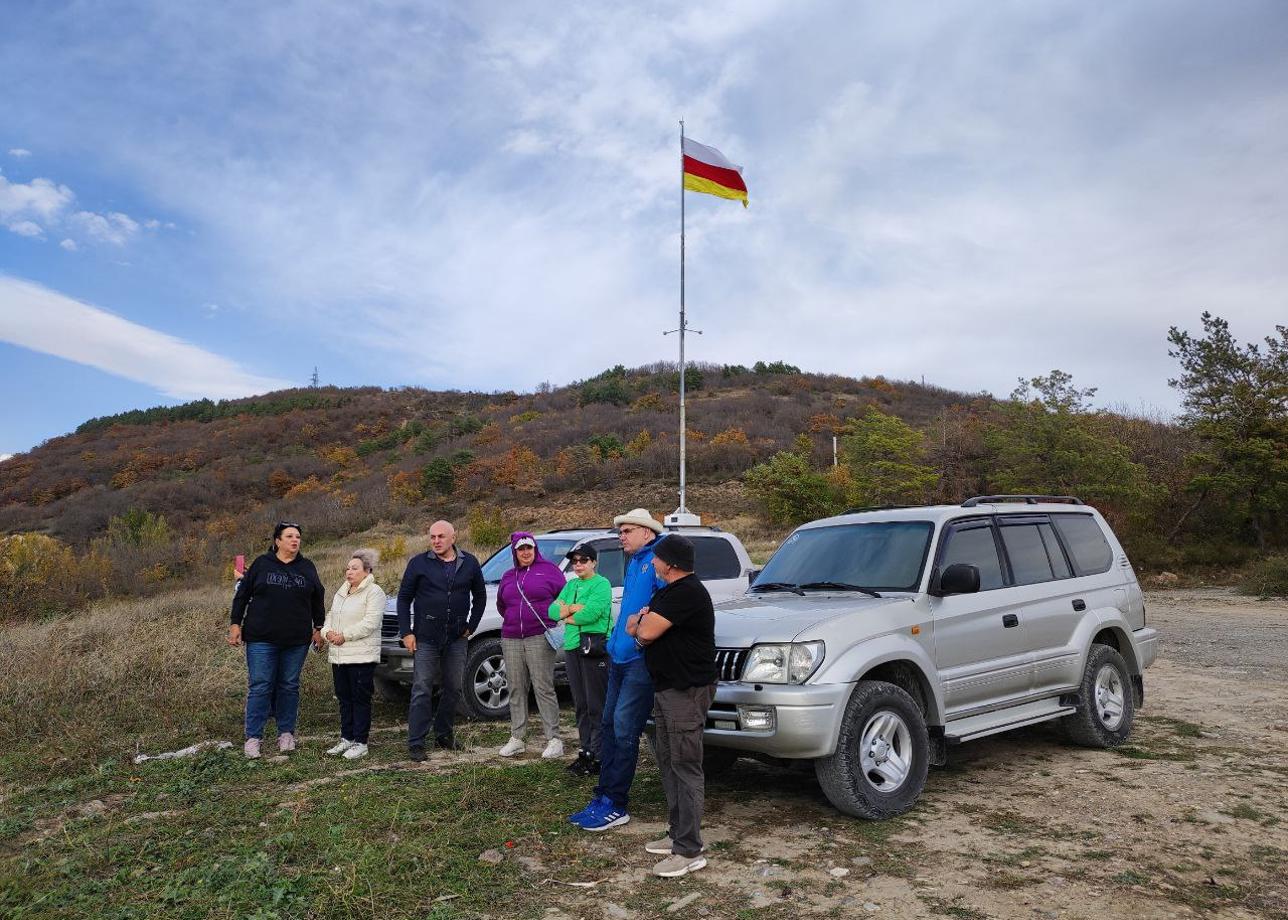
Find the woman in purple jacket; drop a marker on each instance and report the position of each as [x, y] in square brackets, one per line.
[525, 591]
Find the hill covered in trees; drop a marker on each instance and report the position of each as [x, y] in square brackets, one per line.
[146, 497]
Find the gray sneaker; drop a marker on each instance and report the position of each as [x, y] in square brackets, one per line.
[251, 748]
[660, 847]
[676, 865]
[285, 743]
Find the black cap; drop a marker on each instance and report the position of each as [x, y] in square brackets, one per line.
[584, 550]
[676, 551]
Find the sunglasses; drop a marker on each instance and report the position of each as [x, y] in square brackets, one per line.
[282, 525]
[580, 559]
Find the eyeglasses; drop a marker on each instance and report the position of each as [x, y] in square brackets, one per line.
[627, 529]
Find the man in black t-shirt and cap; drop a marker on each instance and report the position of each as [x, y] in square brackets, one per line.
[677, 632]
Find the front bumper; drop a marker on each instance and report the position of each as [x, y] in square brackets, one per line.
[395, 664]
[803, 720]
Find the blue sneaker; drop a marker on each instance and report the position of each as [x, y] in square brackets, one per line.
[578, 817]
[602, 818]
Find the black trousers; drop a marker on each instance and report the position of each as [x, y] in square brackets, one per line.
[353, 686]
[588, 680]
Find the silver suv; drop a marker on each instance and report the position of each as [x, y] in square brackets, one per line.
[720, 559]
[873, 641]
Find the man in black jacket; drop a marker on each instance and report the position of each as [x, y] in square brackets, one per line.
[446, 586]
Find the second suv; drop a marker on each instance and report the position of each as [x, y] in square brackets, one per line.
[720, 561]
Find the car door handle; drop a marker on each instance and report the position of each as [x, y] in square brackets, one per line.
[1009, 620]
[1079, 604]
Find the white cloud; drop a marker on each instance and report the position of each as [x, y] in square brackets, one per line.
[114, 228]
[46, 321]
[69, 245]
[39, 200]
[19, 152]
[27, 228]
[4, 457]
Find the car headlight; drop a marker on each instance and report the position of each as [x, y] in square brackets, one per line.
[785, 663]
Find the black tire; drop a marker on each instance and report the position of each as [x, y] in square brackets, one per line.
[485, 692]
[1107, 709]
[897, 754]
[391, 691]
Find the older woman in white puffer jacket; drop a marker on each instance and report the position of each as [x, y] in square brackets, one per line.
[352, 633]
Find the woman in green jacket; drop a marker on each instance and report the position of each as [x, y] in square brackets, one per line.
[584, 607]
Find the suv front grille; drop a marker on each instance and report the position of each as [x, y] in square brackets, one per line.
[389, 628]
[729, 662]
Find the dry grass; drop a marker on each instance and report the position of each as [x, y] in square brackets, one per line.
[151, 673]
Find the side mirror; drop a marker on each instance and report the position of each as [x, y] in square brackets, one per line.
[752, 575]
[959, 578]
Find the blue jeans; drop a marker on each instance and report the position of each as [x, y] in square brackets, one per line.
[627, 706]
[273, 685]
[431, 662]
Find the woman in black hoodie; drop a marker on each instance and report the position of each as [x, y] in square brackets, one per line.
[277, 611]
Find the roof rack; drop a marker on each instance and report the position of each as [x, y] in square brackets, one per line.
[876, 508]
[1026, 499]
[567, 529]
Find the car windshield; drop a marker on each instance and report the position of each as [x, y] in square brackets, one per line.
[500, 562]
[886, 556]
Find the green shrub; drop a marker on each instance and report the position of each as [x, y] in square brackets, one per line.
[608, 445]
[137, 527]
[792, 491]
[612, 391]
[1267, 577]
[437, 477]
[488, 528]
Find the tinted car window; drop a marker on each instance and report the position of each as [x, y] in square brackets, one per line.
[885, 556]
[611, 564]
[1059, 564]
[974, 545]
[714, 558]
[1024, 547]
[1086, 544]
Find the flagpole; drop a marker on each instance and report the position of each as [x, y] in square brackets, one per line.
[683, 509]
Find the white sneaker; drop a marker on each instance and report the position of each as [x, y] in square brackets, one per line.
[356, 749]
[512, 747]
[554, 748]
[676, 865]
[340, 748]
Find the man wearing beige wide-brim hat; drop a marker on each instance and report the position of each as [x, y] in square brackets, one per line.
[629, 699]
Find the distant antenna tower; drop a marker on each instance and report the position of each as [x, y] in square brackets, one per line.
[314, 379]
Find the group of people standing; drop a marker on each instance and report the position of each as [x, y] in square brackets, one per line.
[657, 658]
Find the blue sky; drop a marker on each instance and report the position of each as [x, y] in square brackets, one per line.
[211, 199]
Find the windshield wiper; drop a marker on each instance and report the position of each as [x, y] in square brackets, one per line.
[778, 586]
[839, 586]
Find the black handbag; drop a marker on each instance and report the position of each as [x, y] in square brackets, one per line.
[593, 645]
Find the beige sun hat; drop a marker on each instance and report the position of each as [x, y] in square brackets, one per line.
[640, 518]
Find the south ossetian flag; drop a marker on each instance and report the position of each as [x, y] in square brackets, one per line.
[706, 170]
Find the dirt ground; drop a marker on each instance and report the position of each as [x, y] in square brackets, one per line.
[1186, 821]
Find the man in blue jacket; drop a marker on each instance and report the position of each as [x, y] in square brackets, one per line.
[629, 699]
[446, 586]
